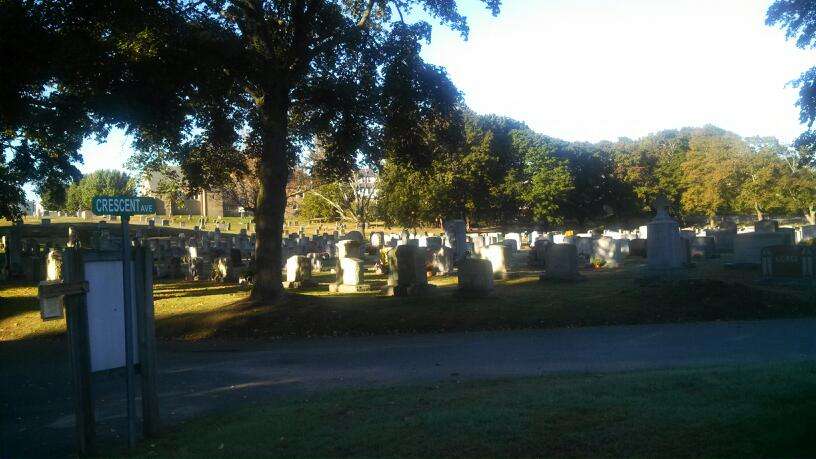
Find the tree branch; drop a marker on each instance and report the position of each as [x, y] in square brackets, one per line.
[366, 14]
[333, 204]
[399, 11]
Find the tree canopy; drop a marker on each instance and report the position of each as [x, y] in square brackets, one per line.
[538, 180]
[205, 84]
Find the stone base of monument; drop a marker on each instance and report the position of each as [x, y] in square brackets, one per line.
[410, 290]
[297, 285]
[343, 288]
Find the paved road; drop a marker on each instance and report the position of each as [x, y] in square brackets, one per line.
[199, 378]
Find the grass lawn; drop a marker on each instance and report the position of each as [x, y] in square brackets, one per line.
[200, 310]
[756, 411]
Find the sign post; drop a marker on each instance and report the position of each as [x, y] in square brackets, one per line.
[125, 206]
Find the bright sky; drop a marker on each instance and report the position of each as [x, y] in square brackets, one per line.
[602, 69]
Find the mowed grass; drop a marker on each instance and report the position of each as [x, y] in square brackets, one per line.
[757, 411]
[201, 310]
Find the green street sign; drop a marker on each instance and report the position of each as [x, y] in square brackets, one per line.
[123, 205]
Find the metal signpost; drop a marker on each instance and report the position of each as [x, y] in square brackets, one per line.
[125, 206]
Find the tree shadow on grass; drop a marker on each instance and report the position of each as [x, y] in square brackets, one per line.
[176, 289]
[13, 306]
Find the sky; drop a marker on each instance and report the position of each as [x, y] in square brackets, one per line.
[591, 70]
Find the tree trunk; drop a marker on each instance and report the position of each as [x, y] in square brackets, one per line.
[712, 221]
[810, 215]
[273, 173]
[759, 214]
[361, 226]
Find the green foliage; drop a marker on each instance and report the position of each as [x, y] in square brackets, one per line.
[52, 195]
[713, 172]
[798, 19]
[546, 180]
[504, 174]
[99, 183]
[317, 204]
[350, 199]
[652, 166]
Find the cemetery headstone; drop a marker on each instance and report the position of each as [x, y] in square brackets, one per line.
[704, 247]
[607, 252]
[766, 226]
[807, 233]
[475, 278]
[455, 233]
[407, 275]
[637, 248]
[349, 276]
[665, 250]
[298, 272]
[377, 239]
[748, 246]
[561, 263]
[498, 255]
[538, 253]
[349, 248]
[787, 261]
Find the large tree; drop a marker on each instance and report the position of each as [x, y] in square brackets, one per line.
[191, 80]
[714, 170]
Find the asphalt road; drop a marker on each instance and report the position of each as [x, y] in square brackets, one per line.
[197, 378]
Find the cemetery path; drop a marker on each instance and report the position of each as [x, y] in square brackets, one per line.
[198, 378]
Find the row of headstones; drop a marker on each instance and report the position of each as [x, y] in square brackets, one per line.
[407, 267]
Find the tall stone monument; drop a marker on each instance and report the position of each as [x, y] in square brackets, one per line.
[664, 248]
[456, 235]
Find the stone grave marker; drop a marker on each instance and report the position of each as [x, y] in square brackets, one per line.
[704, 247]
[475, 278]
[298, 272]
[561, 263]
[608, 251]
[498, 255]
[407, 274]
[766, 226]
[664, 246]
[787, 261]
[455, 234]
[748, 246]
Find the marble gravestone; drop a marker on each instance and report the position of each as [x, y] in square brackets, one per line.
[499, 256]
[298, 272]
[349, 276]
[609, 250]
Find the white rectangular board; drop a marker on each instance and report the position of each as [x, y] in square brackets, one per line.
[106, 314]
